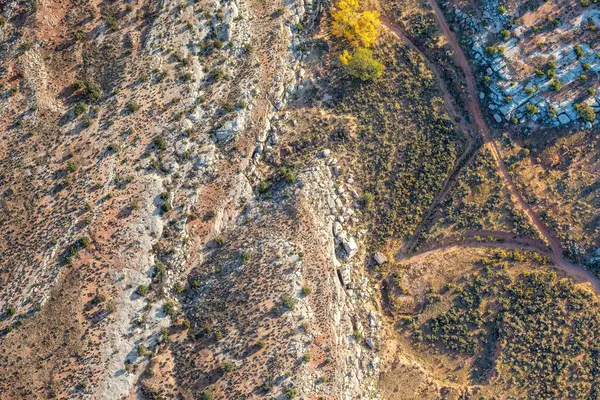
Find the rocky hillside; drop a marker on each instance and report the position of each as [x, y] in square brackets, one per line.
[140, 254]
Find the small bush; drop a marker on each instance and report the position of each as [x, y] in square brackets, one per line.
[245, 257]
[187, 77]
[169, 309]
[368, 199]
[142, 350]
[227, 367]
[532, 109]
[206, 395]
[132, 107]
[79, 109]
[289, 302]
[160, 144]
[112, 22]
[291, 392]
[287, 175]
[586, 112]
[142, 290]
[263, 187]
[84, 242]
[93, 92]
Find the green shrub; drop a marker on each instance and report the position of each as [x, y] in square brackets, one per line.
[205, 395]
[263, 187]
[555, 85]
[84, 242]
[93, 92]
[112, 22]
[169, 309]
[361, 65]
[187, 77]
[79, 84]
[291, 392]
[289, 302]
[160, 144]
[227, 367]
[79, 109]
[532, 109]
[142, 290]
[142, 350]
[586, 112]
[578, 51]
[287, 175]
[245, 257]
[132, 107]
[368, 198]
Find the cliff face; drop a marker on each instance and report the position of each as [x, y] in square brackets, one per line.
[140, 255]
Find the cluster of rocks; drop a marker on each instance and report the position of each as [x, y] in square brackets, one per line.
[508, 96]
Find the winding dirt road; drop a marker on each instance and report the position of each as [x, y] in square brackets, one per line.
[479, 125]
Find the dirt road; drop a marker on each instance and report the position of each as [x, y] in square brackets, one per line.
[576, 271]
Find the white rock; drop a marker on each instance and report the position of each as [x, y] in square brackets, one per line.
[350, 246]
[380, 258]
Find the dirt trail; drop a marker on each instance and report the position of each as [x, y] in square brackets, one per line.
[505, 240]
[479, 124]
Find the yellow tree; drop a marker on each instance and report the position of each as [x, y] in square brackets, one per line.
[367, 28]
[359, 28]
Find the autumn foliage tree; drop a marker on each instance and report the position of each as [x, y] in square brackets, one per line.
[360, 29]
